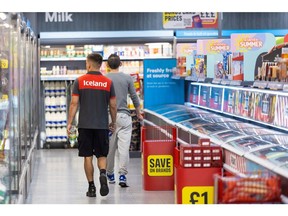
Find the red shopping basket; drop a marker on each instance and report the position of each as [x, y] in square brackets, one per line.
[157, 148]
[249, 188]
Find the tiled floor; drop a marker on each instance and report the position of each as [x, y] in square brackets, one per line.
[59, 178]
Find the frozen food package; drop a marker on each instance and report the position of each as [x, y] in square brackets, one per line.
[204, 96]
[216, 98]
[229, 100]
[281, 112]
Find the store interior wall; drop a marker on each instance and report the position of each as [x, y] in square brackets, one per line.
[278, 20]
[108, 21]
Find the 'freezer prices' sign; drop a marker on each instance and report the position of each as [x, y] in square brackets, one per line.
[186, 20]
[160, 165]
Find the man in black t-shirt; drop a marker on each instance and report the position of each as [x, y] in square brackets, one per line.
[95, 94]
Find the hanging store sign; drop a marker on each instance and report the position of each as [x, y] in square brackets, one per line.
[187, 20]
[58, 17]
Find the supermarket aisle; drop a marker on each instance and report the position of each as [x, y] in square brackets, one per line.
[59, 178]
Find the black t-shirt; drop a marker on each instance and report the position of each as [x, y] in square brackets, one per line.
[94, 91]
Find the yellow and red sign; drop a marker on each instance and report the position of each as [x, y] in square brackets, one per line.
[198, 195]
[160, 165]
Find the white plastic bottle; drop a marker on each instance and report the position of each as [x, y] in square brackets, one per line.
[57, 103]
[48, 134]
[64, 118]
[57, 88]
[64, 134]
[47, 116]
[63, 102]
[58, 134]
[53, 134]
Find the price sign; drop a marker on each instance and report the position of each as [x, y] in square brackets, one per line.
[198, 195]
[160, 165]
[4, 63]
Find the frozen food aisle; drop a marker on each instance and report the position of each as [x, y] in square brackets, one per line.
[59, 178]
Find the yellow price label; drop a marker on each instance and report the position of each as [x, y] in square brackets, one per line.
[4, 63]
[142, 167]
[198, 195]
[160, 165]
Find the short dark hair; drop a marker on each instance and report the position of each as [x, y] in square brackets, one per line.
[114, 61]
[95, 58]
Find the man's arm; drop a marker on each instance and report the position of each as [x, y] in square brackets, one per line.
[113, 112]
[135, 99]
[72, 111]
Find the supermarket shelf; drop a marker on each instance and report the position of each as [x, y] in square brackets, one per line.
[237, 116]
[59, 77]
[126, 58]
[177, 77]
[64, 59]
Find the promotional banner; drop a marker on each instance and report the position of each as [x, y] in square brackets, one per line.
[185, 53]
[215, 49]
[213, 46]
[186, 20]
[253, 46]
[159, 88]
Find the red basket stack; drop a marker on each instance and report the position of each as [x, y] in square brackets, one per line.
[195, 165]
[201, 155]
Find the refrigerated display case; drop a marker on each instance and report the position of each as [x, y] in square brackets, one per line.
[19, 99]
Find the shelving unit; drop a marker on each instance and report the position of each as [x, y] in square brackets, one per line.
[19, 107]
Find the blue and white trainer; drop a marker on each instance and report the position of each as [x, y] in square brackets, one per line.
[123, 181]
[111, 178]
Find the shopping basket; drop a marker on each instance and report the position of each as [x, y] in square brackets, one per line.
[249, 188]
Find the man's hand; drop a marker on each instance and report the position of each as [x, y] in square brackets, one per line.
[140, 117]
[112, 126]
[69, 128]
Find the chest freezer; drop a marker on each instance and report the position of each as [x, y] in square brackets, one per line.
[227, 135]
[194, 123]
[280, 139]
[277, 154]
[248, 143]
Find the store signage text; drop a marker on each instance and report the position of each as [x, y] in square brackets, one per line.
[160, 165]
[219, 47]
[158, 73]
[250, 43]
[58, 17]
